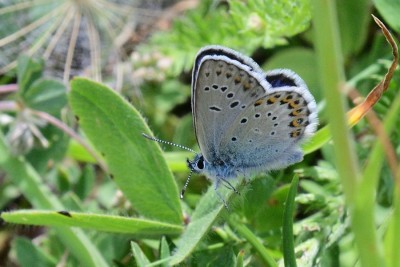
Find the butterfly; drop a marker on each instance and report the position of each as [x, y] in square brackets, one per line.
[246, 121]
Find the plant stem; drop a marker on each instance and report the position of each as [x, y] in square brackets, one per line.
[332, 76]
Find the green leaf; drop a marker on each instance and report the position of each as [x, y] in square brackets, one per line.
[46, 95]
[289, 256]
[27, 253]
[366, 195]
[31, 185]
[99, 222]
[140, 258]
[135, 163]
[240, 259]
[164, 250]
[351, 25]
[224, 257]
[263, 205]
[321, 137]
[300, 60]
[390, 10]
[79, 153]
[58, 141]
[28, 71]
[392, 236]
[207, 211]
[246, 233]
[86, 182]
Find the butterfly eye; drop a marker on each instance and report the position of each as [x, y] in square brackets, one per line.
[200, 163]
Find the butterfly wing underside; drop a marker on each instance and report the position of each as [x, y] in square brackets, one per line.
[249, 119]
[267, 134]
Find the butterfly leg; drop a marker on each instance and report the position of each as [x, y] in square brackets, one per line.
[219, 194]
[229, 186]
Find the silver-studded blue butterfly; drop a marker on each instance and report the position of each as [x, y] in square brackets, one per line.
[246, 121]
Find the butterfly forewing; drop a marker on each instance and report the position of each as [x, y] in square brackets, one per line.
[223, 89]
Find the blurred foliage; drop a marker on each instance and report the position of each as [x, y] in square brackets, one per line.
[44, 167]
[242, 25]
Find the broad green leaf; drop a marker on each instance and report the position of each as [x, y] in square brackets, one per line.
[390, 10]
[176, 160]
[289, 256]
[46, 95]
[99, 222]
[135, 163]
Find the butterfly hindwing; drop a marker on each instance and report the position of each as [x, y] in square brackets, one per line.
[267, 135]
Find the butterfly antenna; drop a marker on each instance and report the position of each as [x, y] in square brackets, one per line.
[167, 143]
[186, 183]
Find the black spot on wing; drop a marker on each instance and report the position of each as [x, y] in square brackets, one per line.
[234, 104]
[215, 108]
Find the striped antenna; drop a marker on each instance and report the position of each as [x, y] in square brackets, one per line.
[168, 143]
[186, 183]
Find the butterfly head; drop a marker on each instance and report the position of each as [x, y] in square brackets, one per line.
[198, 164]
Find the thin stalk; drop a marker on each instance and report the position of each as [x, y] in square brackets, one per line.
[330, 63]
[95, 54]
[245, 232]
[22, 6]
[62, 126]
[37, 23]
[71, 46]
[45, 36]
[332, 75]
[8, 88]
[54, 40]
